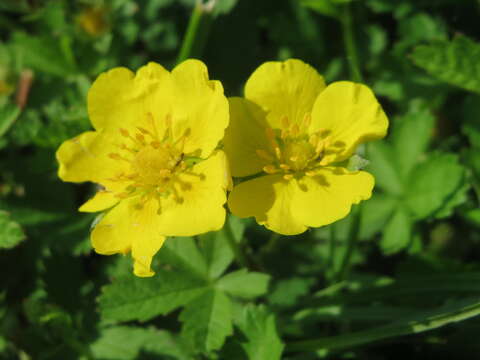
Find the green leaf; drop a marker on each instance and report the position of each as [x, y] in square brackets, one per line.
[133, 298]
[375, 214]
[397, 233]
[323, 7]
[126, 343]
[11, 234]
[8, 115]
[433, 184]
[258, 326]
[216, 252]
[43, 54]
[287, 291]
[207, 320]
[416, 323]
[455, 62]
[383, 166]
[182, 252]
[243, 284]
[411, 138]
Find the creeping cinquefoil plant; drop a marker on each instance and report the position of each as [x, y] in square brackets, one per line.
[154, 154]
[293, 134]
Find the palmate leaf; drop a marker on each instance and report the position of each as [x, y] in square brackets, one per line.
[258, 327]
[134, 298]
[455, 62]
[127, 342]
[207, 320]
[433, 184]
[189, 277]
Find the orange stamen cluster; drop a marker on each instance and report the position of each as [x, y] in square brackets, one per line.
[292, 151]
[155, 162]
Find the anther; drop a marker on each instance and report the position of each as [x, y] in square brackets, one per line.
[310, 173]
[307, 120]
[140, 138]
[264, 155]
[124, 132]
[288, 176]
[284, 167]
[285, 122]
[155, 144]
[270, 169]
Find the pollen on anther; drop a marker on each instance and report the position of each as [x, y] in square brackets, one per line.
[270, 169]
[264, 155]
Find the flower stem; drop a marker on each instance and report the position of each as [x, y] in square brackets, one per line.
[349, 43]
[197, 32]
[240, 257]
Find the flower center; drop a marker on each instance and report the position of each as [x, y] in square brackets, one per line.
[293, 151]
[155, 163]
[155, 166]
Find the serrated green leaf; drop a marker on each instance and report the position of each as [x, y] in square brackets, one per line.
[8, 115]
[397, 233]
[182, 252]
[126, 343]
[411, 138]
[258, 326]
[11, 234]
[433, 183]
[455, 62]
[243, 284]
[216, 251]
[133, 298]
[384, 168]
[207, 320]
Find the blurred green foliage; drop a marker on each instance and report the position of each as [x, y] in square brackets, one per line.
[415, 267]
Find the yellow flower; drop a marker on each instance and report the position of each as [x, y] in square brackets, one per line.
[154, 151]
[292, 135]
[93, 20]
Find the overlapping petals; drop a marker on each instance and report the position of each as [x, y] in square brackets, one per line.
[291, 133]
[154, 153]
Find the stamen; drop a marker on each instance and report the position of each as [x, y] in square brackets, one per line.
[116, 156]
[270, 169]
[278, 152]
[140, 138]
[264, 155]
[285, 167]
[288, 176]
[124, 132]
[307, 120]
[285, 122]
[155, 144]
[310, 173]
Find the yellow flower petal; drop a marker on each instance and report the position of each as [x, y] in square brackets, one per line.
[199, 108]
[328, 195]
[244, 136]
[85, 158]
[352, 115]
[119, 98]
[200, 208]
[102, 200]
[269, 200]
[284, 89]
[129, 227]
